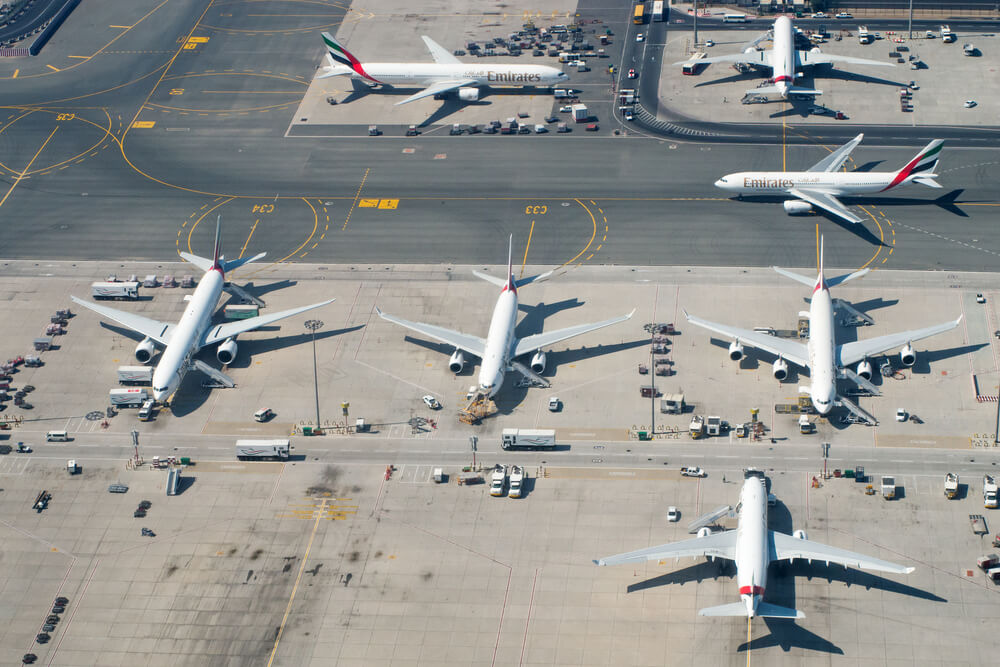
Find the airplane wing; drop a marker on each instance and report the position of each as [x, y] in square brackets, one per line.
[825, 201]
[437, 88]
[441, 55]
[720, 545]
[464, 342]
[538, 341]
[836, 159]
[154, 329]
[753, 57]
[848, 353]
[792, 351]
[221, 332]
[809, 58]
[786, 546]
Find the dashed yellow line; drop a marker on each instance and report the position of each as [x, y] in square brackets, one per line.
[356, 197]
[53, 67]
[252, 229]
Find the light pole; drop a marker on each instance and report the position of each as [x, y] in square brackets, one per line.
[314, 326]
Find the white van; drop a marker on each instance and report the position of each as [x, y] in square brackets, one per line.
[57, 436]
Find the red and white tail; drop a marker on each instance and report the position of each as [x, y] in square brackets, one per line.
[920, 168]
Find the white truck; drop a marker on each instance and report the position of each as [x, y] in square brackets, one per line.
[989, 492]
[262, 450]
[133, 397]
[950, 485]
[135, 375]
[516, 482]
[498, 480]
[580, 113]
[864, 36]
[888, 487]
[115, 290]
[523, 438]
[946, 34]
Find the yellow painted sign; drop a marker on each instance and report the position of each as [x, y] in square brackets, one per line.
[388, 204]
[143, 124]
[197, 40]
[368, 203]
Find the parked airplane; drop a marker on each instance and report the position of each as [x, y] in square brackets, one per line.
[194, 330]
[825, 360]
[500, 349]
[785, 61]
[753, 547]
[446, 74]
[820, 185]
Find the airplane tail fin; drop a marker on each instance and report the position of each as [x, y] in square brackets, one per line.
[218, 262]
[820, 280]
[920, 167]
[511, 284]
[336, 52]
[217, 252]
[508, 282]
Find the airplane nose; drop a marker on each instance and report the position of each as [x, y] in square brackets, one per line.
[720, 183]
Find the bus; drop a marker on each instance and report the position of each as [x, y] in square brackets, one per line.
[692, 66]
[640, 14]
[657, 11]
[735, 18]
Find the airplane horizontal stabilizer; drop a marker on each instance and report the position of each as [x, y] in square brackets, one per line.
[502, 282]
[731, 609]
[794, 276]
[799, 90]
[928, 180]
[840, 280]
[768, 610]
[237, 263]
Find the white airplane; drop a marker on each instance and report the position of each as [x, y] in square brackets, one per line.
[194, 331]
[784, 61]
[820, 185]
[825, 360]
[445, 74]
[500, 349]
[753, 547]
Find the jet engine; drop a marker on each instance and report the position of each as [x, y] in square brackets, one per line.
[468, 94]
[800, 535]
[144, 351]
[457, 362]
[704, 531]
[538, 362]
[865, 369]
[908, 355]
[797, 207]
[779, 369]
[735, 350]
[226, 352]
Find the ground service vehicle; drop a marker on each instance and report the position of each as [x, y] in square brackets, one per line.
[946, 34]
[864, 36]
[135, 375]
[657, 14]
[950, 485]
[888, 487]
[126, 290]
[262, 450]
[57, 436]
[673, 514]
[263, 415]
[498, 480]
[146, 411]
[692, 66]
[133, 397]
[735, 18]
[522, 438]
[516, 482]
[639, 14]
[580, 113]
[989, 492]
[693, 471]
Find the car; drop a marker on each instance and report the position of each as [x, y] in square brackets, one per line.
[693, 471]
[431, 402]
[628, 115]
[980, 298]
[878, 35]
[639, 37]
[709, 42]
[565, 109]
[62, 601]
[901, 415]
[970, 103]
[554, 404]
[58, 609]
[23, 448]
[145, 504]
[139, 513]
[631, 73]
[913, 85]
[844, 15]
[820, 15]
[673, 514]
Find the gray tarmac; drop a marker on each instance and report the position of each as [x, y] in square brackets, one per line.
[324, 561]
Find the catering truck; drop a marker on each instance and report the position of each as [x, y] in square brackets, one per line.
[989, 492]
[522, 438]
[115, 290]
[133, 397]
[888, 487]
[135, 375]
[262, 450]
[950, 485]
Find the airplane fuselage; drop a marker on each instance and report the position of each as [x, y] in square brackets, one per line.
[499, 343]
[783, 55]
[821, 347]
[187, 335]
[751, 544]
[780, 182]
[425, 74]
